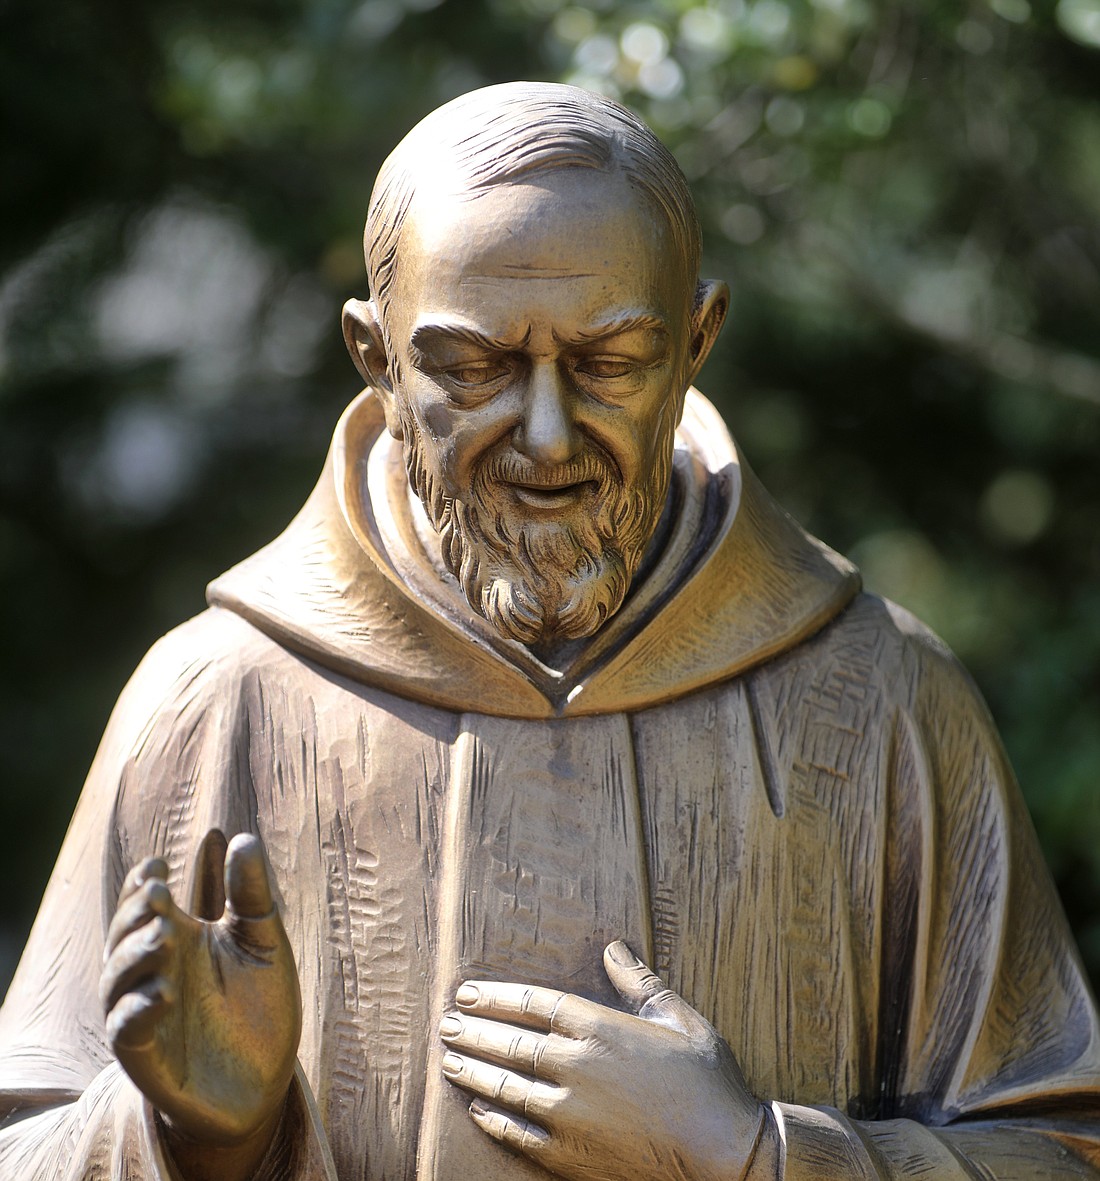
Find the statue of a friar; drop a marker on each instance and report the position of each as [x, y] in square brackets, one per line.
[586, 818]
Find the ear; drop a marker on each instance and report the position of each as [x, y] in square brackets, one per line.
[363, 336]
[712, 301]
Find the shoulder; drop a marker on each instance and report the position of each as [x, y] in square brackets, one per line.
[216, 644]
[870, 615]
[882, 644]
[195, 666]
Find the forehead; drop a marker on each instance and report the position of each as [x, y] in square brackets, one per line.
[576, 240]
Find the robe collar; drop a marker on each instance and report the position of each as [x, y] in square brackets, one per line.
[737, 582]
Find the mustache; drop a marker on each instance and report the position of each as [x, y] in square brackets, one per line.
[510, 468]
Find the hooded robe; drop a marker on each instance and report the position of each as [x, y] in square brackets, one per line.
[784, 794]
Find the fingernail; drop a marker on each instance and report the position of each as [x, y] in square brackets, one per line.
[450, 1027]
[477, 1110]
[467, 995]
[620, 954]
[452, 1064]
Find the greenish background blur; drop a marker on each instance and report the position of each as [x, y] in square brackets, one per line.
[904, 196]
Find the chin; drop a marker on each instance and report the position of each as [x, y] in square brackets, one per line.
[538, 606]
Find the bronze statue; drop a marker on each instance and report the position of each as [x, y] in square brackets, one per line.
[595, 822]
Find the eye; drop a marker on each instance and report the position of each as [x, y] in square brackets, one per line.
[606, 368]
[477, 374]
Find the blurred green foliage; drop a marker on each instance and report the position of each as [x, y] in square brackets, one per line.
[905, 197]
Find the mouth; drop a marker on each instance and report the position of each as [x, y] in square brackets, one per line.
[550, 496]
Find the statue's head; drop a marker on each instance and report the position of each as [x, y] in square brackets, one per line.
[536, 320]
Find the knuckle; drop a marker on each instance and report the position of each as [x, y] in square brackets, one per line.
[570, 1015]
[115, 1026]
[659, 1004]
[109, 976]
[533, 1099]
[125, 1025]
[557, 1097]
[533, 1138]
[168, 935]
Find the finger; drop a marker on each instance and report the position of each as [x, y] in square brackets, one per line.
[653, 1001]
[208, 891]
[150, 898]
[635, 981]
[515, 1131]
[149, 867]
[502, 1087]
[505, 1045]
[544, 1009]
[132, 1023]
[141, 954]
[247, 888]
[251, 918]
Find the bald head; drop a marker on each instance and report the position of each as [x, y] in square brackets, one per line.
[515, 132]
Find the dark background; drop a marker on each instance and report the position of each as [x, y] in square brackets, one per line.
[905, 198]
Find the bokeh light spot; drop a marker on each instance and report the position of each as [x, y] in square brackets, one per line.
[869, 117]
[1017, 11]
[1018, 506]
[644, 43]
[661, 79]
[795, 72]
[1080, 19]
[574, 25]
[706, 30]
[974, 37]
[597, 54]
[742, 224]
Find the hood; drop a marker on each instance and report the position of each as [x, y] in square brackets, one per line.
[749, 584]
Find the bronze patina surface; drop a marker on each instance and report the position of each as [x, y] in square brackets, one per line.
[592, 821]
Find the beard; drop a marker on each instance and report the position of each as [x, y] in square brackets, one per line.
[537, 579]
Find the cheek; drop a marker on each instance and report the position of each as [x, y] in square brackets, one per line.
[439, 421]
[451, 451]
[436, 428]
[461, 439]
[633, 443]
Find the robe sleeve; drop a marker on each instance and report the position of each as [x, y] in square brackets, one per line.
[67, 1109]
[989, 1046]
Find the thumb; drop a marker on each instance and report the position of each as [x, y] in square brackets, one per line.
[249, 905]
[648, 994]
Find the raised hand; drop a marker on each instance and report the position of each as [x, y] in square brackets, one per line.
[205, 1016]
[589, 1092]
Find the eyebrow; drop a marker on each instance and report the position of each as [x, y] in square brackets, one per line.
[425, 335]
[435, 332]
[639, 321]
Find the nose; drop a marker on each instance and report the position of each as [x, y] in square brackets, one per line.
[546, 431]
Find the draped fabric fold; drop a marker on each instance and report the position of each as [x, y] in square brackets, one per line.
[797, 808]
